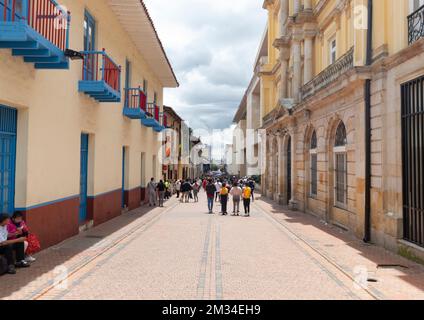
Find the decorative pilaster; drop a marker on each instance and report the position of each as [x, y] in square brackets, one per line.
[308, 63]
[307, 4]
[284, 14]
[297, 67]
[296, 7]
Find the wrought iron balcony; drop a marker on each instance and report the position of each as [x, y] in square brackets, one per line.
[135, 103]
[416, 25]
[37, 30]
[329, 75]
[101, 77]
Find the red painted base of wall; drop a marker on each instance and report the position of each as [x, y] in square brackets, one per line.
[59, 221]
[104, 207]
[55, 222]
[143, 194]
[133, 198]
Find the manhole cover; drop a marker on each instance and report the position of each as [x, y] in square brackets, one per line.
[94, 237]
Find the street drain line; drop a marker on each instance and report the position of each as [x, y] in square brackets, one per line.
[113, 245]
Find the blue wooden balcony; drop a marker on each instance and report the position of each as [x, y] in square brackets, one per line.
[160, 125]
[101, 77]
[135, 103]
[152, 116]
[37, 30]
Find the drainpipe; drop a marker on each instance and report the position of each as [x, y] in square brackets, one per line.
[367, 226]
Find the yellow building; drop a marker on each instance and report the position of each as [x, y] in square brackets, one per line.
[79, 137]
[341, 100]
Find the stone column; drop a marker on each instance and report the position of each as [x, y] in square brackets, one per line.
[297, 68]
[292, 202]
[308, 65]
[280, 168]
[296, 7]
[307, 4]
[284, 14]
[284, 58]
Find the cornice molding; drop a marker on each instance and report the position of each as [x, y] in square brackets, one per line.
[268, 3]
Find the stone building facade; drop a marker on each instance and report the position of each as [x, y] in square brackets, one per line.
[342, 107]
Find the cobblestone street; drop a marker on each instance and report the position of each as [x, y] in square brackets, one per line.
[181, 252]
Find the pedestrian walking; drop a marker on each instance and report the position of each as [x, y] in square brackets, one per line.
[252, 188]
[178, 188]
[151, 191]
[218, 186]
[186, 191]
[167, 190]
[161, 192]
[196, 189]
[204, 184]
[236, 193]
[247, 193]
[210, 194]
[224, 199]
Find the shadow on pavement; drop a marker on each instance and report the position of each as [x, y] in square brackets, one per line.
[71, 253]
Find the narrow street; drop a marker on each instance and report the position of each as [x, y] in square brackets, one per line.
[181, 252]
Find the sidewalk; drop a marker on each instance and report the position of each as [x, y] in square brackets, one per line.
[54, 263]
[392, 276]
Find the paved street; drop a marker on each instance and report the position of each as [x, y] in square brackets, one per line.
[181, 252]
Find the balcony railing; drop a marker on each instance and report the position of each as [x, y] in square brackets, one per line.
[416, 25]
[38, 30]
[329, 75]
[101, 77]
[135, 103]
[153, 117]
[165, 120]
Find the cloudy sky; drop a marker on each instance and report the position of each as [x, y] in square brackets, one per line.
[212, 45]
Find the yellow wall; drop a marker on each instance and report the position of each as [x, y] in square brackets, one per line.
[52, 115]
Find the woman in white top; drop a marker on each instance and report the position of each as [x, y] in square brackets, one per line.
[236, 193]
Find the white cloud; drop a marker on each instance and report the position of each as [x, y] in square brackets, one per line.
[211, 45]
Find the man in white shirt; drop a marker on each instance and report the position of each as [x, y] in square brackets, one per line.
[7, 247]
[178, 188]
[218, 186]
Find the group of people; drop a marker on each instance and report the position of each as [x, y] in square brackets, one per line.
[241, 190]
[16, 243]
[216, 190]
[164, 189]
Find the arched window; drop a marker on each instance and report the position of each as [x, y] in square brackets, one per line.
[340, 166]
[341, 139]
[313, 160]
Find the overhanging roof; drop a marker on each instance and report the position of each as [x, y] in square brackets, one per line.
[172, 112]
[135, 19]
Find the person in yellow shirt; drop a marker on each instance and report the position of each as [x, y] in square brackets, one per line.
[247, 193]
[224, 199]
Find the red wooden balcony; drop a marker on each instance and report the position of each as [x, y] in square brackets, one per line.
[37, 30]
[101, 77]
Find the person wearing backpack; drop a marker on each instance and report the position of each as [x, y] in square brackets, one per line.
[224, 199]
[247, 193]
[10, 247]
